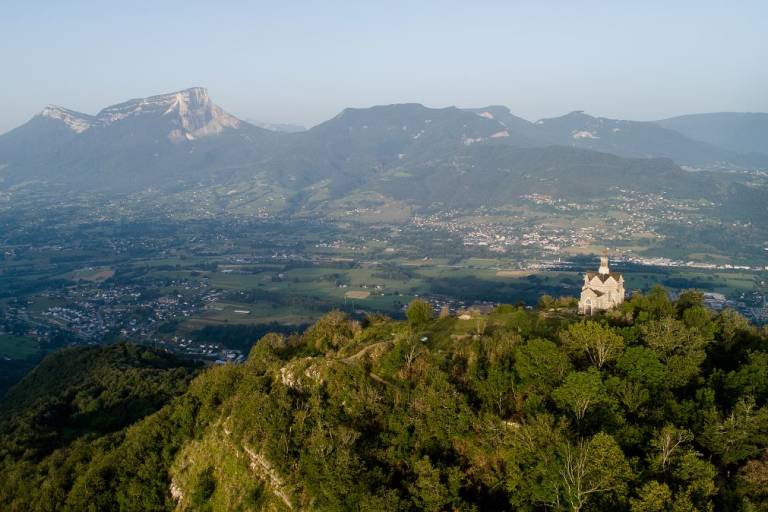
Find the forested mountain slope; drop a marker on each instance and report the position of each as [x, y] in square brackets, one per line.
[656, 406]
[75, 403]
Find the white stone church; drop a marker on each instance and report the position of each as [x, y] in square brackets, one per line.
[602, 290]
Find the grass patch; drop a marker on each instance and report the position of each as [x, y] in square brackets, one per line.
[17, 347]
[94, 275]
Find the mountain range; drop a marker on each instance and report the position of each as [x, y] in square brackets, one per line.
[407, 152]
[745, 132]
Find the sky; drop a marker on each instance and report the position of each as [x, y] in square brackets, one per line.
[304, 61]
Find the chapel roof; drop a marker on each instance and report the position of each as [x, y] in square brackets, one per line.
[603, 277]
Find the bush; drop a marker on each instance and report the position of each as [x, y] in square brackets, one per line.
[419, 312]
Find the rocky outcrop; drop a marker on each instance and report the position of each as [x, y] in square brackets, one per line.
[190, 115]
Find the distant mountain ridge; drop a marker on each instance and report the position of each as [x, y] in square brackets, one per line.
[132, 145]
[633, 139]
[745, 132]
[410, 152]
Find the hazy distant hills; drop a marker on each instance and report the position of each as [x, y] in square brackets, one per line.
[410, 152]
[278, 127]
[521, 130]
[493, 175]
[628, 138]
[743, 132]
[365, 142]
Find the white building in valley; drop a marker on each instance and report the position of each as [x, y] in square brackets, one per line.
[602, 290]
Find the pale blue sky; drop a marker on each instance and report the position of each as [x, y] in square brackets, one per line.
[304, 61]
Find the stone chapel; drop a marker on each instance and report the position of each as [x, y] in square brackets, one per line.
[602, 290]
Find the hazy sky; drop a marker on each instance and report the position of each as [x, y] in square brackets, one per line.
[303, 62]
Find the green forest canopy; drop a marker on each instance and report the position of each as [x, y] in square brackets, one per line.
[656, 406]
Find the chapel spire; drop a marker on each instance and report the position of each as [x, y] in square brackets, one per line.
[604, 270]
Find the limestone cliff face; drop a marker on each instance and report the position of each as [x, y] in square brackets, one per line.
[75, 121]
[186, 115]
[191, 113]
[251, 482]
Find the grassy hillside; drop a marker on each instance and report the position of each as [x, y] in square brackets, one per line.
[657, 406]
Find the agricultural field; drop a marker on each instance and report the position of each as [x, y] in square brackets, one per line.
[182, 283]
[95, 275]
[17, 347]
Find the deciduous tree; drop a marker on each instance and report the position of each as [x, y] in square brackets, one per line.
[595, 466]
[419, 312]
[579, 392]
[679, 347]
[600, 344]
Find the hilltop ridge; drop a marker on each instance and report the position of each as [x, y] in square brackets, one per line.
[498, 411]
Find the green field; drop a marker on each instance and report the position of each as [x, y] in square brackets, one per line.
[291, 274]
[373, 287]
[17, 347]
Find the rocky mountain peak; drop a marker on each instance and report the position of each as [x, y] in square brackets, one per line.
[75, 121]
[189, 114]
